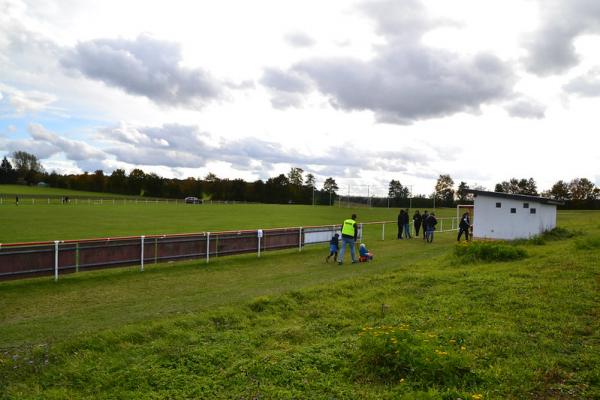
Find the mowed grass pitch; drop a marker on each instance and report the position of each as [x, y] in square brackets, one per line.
[39, 222]
[8, 193]
[290, 326]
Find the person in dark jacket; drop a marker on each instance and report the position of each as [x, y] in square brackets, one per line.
[334, 245]
[417, 222]
[424, 223]
[406, 224]
[400, 224]
[430, 227]
[463, 226]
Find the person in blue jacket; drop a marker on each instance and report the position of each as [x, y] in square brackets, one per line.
[364, 254]
[334, 245]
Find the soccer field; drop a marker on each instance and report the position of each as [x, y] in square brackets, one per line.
[42, 222]
[288, 325]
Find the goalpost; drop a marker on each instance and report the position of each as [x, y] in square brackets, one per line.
[355, 195]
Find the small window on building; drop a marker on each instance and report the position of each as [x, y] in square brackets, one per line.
[498, 205]
[525, 205]
[532, 211]
[513, 210]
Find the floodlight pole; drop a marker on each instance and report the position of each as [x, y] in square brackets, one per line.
[348, 200]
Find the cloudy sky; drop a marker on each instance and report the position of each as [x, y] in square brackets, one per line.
[363, 91]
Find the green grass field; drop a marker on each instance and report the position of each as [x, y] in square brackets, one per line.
[418, 322]
[8, 192]
[59, 222]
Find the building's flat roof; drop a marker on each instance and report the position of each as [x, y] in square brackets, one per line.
[523, 197]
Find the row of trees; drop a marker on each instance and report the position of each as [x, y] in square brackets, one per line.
[578, 189]
[291, 188]
[295, 187]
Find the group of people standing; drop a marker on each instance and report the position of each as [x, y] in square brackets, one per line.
[426, 220]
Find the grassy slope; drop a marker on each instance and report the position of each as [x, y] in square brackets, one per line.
[530, 328]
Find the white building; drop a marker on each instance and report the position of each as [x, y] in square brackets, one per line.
[511, 216]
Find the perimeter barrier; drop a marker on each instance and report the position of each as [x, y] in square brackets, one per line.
[20, 260]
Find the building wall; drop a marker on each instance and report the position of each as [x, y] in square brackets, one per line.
[499, 223]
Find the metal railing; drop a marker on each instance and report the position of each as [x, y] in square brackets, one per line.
[18, 260]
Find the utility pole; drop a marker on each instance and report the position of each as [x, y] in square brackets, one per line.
[348, 201]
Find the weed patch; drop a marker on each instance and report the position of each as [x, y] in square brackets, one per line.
[588, 243]
[552, 235]
[260, 304]
[396, 355]
[559, 233]
[488, 251]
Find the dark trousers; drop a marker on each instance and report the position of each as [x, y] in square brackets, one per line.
[465, 231]
[400, 230]
[417, 227]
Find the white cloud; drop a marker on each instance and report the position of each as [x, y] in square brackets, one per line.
[145, 66]
[551, 48]
[406, 81]
[299, 39]
[30, 101]
[73, 149]
[586, 85]
[526, 108]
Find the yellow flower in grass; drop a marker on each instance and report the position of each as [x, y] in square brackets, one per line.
[477, 396]
[452, 341]
[463, 348]
[441, 353]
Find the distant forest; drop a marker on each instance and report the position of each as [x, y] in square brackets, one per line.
[295, 187]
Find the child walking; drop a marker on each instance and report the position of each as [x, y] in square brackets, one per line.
[334, 245]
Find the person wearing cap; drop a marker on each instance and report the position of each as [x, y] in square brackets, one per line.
[349, 235]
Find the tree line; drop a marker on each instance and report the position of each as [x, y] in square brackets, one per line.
[295, 187]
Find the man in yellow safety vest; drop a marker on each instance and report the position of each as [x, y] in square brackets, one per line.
[349, 235]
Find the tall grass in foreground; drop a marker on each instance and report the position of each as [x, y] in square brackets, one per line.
[488, 251]
[414, 324]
